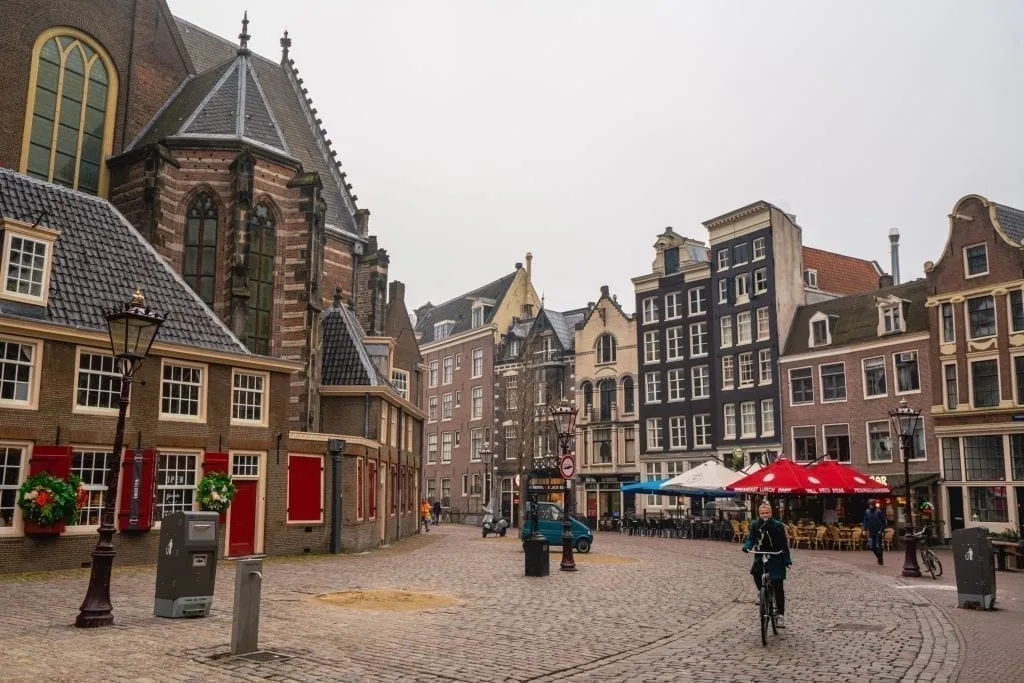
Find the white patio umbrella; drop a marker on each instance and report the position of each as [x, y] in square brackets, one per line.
[708, 479]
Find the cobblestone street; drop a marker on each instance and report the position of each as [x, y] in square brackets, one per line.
[638, 609]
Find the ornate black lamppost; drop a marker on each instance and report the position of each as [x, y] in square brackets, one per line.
[905, 422]
[132, 328]
[564, 416]
[487, 457]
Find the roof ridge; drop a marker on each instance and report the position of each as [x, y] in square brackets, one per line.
[224, 40]
[475, 289]
[159, 112]
[837, 253]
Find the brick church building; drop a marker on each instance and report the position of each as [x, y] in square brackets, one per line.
[217, 157]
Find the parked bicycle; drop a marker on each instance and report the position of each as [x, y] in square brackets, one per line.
[767, 609]
[928, 558]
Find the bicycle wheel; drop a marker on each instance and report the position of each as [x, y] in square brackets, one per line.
[763, 613]
[934, 566]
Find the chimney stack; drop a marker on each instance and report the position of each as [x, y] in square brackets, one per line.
[604, 291]
[885, 282]
[362, 219]
[894, 253]
[396, 291]
[529, 267]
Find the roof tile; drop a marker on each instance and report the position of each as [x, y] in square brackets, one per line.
[841, 274]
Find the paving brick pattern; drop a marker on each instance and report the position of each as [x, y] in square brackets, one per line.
[684, 612]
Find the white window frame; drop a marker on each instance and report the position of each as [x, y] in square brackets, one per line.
[725, 331]
[846, 385]
[654, 434]
[729, 421]
[967, 317]
[675, 344]
[203, 391]
[677, 432]
[673, 306]
[477, 362]
[744, 332]
[757, 249]
[447, 370]
[752, 414]
[956, 374]
[811, 278]
[17, 521]
[476, 403]
[38, 234]
[892, 318]
[764, 367]
[447, 443]
[999, 379]
[728, 373]
[80, 449]
[699, 339]
[767, 417]
[197, 475]
[443, 329]
[967, 272]
[891, 443]
[676, 380]
[702, 432]
[652, 347]
[744, 366]
[896, 374]
[760, 280]
[697, 301]
[432, 448]
[113, 374]
[434, 376]
[433, 409]
[952, 314]
[724, 257]
[700, 381]
[652, 386]
[447, 403]
[400, 380]
[650, 310]
[789, 388]
[1009, 310]
[35, 374]
[264, 392]
[864, 377]
[723, 291]
[741, 283]
[764, 332]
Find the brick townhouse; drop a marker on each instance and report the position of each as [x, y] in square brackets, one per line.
[976, 318]
[457, 340]
[711, 322]
[607, 450]
[847, 363]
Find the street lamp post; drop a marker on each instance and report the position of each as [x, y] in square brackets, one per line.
[132, 328]
[905, 422]
[564, 416]
[486, 457]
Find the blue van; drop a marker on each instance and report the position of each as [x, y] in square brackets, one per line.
[549, 519]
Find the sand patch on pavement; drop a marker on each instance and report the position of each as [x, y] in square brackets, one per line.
[388, 600]
[590, 558]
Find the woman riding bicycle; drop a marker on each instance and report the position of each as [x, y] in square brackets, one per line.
[769, 535]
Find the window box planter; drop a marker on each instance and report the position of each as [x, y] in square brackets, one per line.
[48, 530]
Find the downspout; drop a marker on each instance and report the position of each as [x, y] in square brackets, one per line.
[398, 476]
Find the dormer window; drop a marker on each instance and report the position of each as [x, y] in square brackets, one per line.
[480, 312]
[443, 329]
[26, 262]
[811, 278]
[820, 332]
[892, 319]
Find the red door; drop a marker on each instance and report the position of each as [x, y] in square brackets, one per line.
[242, 518]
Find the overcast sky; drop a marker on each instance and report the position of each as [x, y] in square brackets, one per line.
[475, 131]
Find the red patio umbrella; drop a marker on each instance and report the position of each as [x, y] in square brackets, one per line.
[782, 476]
[837, 478]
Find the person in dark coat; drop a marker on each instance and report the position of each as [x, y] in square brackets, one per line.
[768, 534]
[874, 526]
[437, 512]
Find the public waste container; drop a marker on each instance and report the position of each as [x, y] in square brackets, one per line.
[974, 567]
[538, 559]
[186, 565]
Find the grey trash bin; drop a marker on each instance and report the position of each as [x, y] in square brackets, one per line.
[538, 561]
[975, 569]
[186, 565]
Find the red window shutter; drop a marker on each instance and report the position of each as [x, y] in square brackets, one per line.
[305, 488]
[138, 490]
[371, 480]
[215, 462]
[54, 460]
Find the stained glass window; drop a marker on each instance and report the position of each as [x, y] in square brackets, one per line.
[262, 247]
[200, 265]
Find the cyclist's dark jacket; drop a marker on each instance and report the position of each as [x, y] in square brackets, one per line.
[774, 539]
[874, 520]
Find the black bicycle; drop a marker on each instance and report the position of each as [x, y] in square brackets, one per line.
[928, 558]
[767, 608]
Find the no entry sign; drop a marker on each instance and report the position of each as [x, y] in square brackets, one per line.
[567, 466]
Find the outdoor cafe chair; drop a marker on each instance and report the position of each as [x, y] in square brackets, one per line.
[737, 535]
[887, 538]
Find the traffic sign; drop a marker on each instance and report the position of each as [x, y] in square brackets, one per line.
[567, 466]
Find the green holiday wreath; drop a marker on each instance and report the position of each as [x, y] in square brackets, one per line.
[215, 492]
[46, 500]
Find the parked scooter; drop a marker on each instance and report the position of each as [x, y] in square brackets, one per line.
[492, 526]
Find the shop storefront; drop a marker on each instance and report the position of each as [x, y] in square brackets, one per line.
[604, 501]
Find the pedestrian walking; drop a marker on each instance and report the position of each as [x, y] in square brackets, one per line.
[425, 514]
[874, 527]
[437, 512]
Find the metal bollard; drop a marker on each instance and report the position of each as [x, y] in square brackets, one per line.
[245, 622]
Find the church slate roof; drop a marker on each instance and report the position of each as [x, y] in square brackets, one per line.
[346, 361]
[1011, 220]
[281, 117]
[563, 324]
[98, 260]
[460, 309]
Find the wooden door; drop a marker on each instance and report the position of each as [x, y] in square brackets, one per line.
[243, 513]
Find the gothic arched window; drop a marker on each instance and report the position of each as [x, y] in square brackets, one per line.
[606, 349]
[262, 247]
[627, 395]
[69, 122]
[200, 264]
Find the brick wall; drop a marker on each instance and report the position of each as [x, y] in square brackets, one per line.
[147, 46]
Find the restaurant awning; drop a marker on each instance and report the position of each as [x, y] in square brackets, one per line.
[781, 476]
[895, 481]
[835, 478]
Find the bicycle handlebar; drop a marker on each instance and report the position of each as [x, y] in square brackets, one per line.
[765, 552]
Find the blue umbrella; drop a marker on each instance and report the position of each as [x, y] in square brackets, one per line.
[652, 487]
